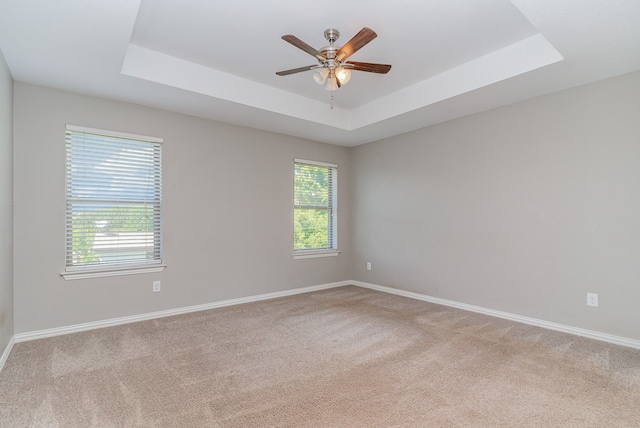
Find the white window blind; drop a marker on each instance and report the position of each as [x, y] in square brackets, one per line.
[114, 196]
[315, 206]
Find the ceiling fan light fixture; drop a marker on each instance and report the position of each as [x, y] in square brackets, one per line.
[320, 76]
[332, 84]
[343, 75]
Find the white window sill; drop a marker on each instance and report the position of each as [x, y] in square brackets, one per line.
[314, 254]
[98, 273]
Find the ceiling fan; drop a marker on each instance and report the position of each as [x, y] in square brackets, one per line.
[333, 69]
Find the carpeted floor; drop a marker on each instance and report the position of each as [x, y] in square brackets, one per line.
[346, 357]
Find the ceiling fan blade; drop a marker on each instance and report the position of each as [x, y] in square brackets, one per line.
[363, 37]
[369, 67]
[302, 45]
[296, 70]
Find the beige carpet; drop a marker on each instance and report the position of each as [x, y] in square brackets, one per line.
[347, 357]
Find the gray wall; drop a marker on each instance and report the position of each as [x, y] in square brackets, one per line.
[522, 209]
[227, 212]
[6, 205]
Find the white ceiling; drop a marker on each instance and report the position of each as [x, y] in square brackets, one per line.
[218, 60]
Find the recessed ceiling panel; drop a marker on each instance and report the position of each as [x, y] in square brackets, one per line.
[420, 39]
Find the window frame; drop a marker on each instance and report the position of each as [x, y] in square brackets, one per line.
[332, 208]
[124, 267]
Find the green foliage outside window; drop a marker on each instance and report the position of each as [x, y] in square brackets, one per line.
[107, 220]
[312, 207]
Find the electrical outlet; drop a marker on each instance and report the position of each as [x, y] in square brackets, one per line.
[156, 286]
[368, 265]
[592, 300]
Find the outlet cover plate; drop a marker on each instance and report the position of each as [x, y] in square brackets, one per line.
[592, 300]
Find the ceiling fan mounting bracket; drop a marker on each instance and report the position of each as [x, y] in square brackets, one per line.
[332, 35]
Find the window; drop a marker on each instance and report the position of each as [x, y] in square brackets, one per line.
[114, 194]
[315, 214]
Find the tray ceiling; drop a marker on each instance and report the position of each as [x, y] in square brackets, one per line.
[218, 60]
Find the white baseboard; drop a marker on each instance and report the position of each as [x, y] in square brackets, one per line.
[58, 331]
[617, 340]
[40, 334]
[7, 351]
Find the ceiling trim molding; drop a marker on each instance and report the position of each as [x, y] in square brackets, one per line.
[521, 57]
[518, 58]
[168, 70]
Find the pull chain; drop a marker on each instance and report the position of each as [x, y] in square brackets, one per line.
[331, 103]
